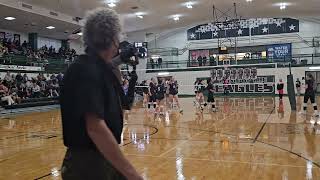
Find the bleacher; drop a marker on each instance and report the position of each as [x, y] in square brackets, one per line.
[50, 66]
[33, 103]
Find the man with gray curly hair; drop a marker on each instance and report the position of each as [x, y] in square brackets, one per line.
[91, 110]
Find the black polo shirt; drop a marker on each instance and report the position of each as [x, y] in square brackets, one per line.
[89, 86]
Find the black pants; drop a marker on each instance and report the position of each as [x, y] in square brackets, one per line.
[86, 164]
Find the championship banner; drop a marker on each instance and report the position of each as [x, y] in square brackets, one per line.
[20, 68]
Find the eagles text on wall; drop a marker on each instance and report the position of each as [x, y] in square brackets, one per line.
[259, 26]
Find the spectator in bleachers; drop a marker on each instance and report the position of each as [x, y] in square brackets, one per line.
[35, 90]
[8, 77]
[53, 89]
[25, 78]
[59, 78]
[212, 60]
[204, 60]
[159, 62]
[199, 60]
[19, 79]
[24, 44]
[5, 96]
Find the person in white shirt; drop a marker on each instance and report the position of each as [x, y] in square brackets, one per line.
[35, 90]
[8, 77]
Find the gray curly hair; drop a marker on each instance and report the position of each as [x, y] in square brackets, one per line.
[101, 29]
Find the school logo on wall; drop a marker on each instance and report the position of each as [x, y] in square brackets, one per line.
[253, 27]
[242, 80]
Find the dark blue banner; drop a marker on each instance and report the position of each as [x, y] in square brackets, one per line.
[279, 52]
[244, 27]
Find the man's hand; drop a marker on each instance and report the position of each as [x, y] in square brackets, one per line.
[104, 140]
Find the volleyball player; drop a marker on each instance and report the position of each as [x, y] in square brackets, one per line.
[173, 93]
[167, 86]
[145, 93]
[152, 93]
[310, 94]
[160, 93]
[199, 96]
[211, 100]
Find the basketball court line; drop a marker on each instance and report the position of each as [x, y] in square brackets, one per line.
[207, 130]
[262, 127]
[294, 153]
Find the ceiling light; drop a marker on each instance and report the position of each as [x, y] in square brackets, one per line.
[249, 0]
[282, 5]
[80, 33]
[50, 27]
[112, 5]
[10, 18]
[189, 5]
[176, 18]
[163, 73]
[314, 68]
[140, 15]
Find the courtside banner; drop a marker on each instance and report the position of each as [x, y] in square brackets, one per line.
[20, 68]
[262, 84]
[242, 80]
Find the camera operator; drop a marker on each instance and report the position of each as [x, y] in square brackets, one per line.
[91, 109]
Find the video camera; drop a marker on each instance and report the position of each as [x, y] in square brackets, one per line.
[129, 53]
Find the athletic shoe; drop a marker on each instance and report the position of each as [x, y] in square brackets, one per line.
[315, 114]
[214, 110]
[181, 111]
[313, 121]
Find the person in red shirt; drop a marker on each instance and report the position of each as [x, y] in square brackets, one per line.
[280, 87]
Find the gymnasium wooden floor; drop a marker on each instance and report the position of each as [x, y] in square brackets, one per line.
[248, 138]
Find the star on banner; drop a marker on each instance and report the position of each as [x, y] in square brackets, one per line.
[292, 27]
[265, 30]
[278, 23]
[192, 36]
[215, 34]
[240, 32]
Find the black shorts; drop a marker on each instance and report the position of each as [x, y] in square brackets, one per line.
[210, 98]
[160, 97]
[152, 98]
[173, 93]
[311, 96]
